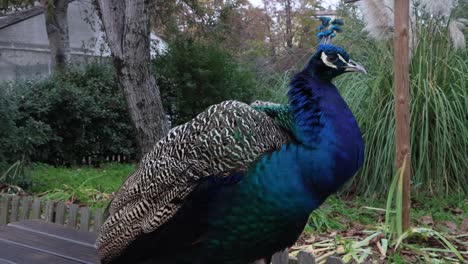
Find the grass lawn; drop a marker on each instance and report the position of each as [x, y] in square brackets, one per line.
[353, 227]
[86, 184]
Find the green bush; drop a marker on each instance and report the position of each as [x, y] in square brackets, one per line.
[19, 134]
[192, 76]
[438, 88]
[61, 119]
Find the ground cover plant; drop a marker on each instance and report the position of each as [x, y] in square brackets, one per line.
[85, 185]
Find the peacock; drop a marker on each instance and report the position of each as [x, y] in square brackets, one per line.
[238, 182]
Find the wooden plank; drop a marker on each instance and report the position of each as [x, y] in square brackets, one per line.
[98, 219]
[36, 208]
[49, 211]
[305, 258]
[26, 208]
[72, 215]
[402, 107]
[4, 209]
[55, 230]
[280, 257]
[60, 213]
[14, 253]
[49, 244]
[84, 218]
[5, 261]
[15, 203]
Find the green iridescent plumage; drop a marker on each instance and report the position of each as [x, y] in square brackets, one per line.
[281, 114]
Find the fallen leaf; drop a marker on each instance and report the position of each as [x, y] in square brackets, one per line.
[427, 220]
[464, 226]
[408, 256]
[359, 227]
[351, 232]
[455, 210]
[451, 226]
[377, 238]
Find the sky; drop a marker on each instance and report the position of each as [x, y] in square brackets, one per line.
[326, 3]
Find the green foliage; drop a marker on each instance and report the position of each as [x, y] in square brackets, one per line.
[359, 228]
[438, 83]
[393, 229]
[62, 119]
[192, 76]
[12, 5]
[20, 134]
[321, 221]
[88, 185]
[16, 177]
[82, 113]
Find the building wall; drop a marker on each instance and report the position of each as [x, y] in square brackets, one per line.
[24, 51]
[84, 29]
[24, 46]
[16, 64]
[30, 31]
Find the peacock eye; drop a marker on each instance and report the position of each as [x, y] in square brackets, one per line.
[332, 58]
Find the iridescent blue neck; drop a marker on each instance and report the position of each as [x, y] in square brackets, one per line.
[316, 105]
[326, 126]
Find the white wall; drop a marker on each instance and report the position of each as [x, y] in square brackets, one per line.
[30, 31]
[24, 51]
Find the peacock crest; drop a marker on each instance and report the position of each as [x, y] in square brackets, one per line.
[328, 29]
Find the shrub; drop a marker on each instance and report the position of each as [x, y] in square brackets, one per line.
[19, 134]
[62, 119]
[192, 76]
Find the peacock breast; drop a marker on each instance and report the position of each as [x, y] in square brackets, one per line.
[265, 212]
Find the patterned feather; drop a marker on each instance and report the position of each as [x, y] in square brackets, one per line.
[225, 138]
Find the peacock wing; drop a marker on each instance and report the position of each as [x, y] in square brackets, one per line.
[225, 138]
[280, 113]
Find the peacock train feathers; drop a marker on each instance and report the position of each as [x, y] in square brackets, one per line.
[238, 182]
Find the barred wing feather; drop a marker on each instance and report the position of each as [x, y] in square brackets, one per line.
[225, 138]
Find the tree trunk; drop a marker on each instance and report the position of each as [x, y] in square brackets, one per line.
[56, 20]
[289, 35]
[127, 26]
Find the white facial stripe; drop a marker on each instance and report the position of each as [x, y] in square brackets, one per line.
[341, 58]
[324, 59]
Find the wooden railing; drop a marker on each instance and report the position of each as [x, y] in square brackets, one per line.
[15, 208]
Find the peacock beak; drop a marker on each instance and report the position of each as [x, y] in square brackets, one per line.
[352, 66]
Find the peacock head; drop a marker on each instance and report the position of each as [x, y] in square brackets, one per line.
[329, 60]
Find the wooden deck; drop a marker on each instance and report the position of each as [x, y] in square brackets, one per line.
[36, 241]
